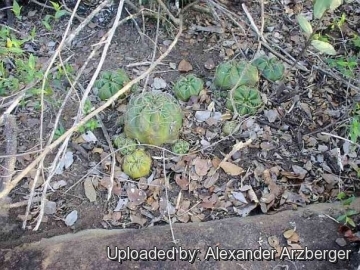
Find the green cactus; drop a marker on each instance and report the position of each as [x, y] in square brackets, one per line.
[110, 82]
[271, 69]
[229, 127]
[125, 145]
[229, 73]
[153, 118]
[246, 100]
[137, 164]
[181, 147]
[188, 86]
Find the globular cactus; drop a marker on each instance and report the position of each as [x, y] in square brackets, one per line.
[188, 86]
[180, 147]
[125, 145]
[246, 100]
[271, 69]
[229, 73]
[153, 118]
[229, 127]
[110, 82]
[137, 164]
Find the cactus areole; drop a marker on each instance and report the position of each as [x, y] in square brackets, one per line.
[153, 118]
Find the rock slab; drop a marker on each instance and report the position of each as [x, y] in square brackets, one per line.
[208, 245]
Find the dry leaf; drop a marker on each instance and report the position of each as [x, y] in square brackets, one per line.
[201, 166]
[90, 192]
[136, 196]
[273, 241]
[211, 180]
[183, 182]
[137, 219]
[294, 238]
[184, 66]
[231, 168]
[287, 234]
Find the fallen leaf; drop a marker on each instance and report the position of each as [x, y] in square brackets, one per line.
[184, 66]
[136, 196]
[71, 218]
[65, 162]
[121, 204]
[245, 211]
[294, 238]
[135, 218]
[273, 241]
[183, 182]
[231, 168]
[287, 234]
[211, 180]
[209, 64]
[159, 83]
[89, 136]
[201, 166]
[90, 192]
[239, 196]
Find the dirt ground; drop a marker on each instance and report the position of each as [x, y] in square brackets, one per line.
[301, 161]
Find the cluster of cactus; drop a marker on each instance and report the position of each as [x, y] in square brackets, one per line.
[245, 99]
[187, 87]
[232, 73]
[137, 164]
[110, 82]
[153, 118]
[125, 145]
[181, 147]
[270, 68]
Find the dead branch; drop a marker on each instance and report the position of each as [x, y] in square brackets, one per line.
[10, 133]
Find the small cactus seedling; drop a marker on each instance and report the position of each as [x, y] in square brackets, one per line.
[188, 86]
[229, 127]
[229, 73]
[110, 82]
[181, 147]
[125, 145]
[271, 69]
[137, 164]
[153, 118]
[246, 100]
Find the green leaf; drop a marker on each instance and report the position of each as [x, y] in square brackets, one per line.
[351, 213]
[323, 47]
[47, 25]
[320, 7]
[55, 5]
[334, 4]
[348, 201]
[356, 41]
[341, 195]
[304, 24]
[16, 9]
[350, 222]
[341, 218]
[60, 13]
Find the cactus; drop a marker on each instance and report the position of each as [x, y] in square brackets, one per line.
[181, 147]
[271, 69]
[137, 164]
[229, 127]
[125, 145]
[229, 73]
[153, 118]
[110, 82]
[246, 100]
[188, 86]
